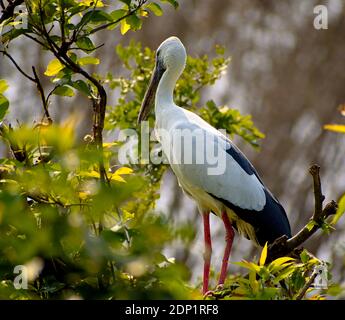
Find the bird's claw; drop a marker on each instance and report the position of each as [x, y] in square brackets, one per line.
[212, 293]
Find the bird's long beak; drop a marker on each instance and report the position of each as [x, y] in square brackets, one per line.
[150, 94]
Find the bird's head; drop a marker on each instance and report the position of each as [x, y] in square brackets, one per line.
[170, 58]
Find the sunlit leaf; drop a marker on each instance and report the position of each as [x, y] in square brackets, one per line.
[248, 265]
[263, 255]
[124, 26]
[174, 3]
[155, 8]
[124, 170]
[92, 3]
[64, 91]
[3, 86]
[88, 60]
[116, 177]
[340, 210]
[335, 127]
[53, 68]
[4, 104]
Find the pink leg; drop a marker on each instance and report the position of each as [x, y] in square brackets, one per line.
[228, 238]
[208, 251]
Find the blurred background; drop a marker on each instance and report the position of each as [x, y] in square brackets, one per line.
[287, 74]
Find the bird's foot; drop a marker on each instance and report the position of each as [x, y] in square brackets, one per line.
[213, 293]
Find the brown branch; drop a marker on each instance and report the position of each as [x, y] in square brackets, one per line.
[99, 104]
[42, 94]
[8, 11]
[17, 66]
[306, 286]
[109, 24]
[284, 246]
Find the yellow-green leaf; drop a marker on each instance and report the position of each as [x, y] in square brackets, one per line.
[118, 178]
[263, 255]
[88, 60]
[3, 86]
[286, 273]
[127, 215]
[282, 260]
[92, 3]
[109, 144]
[53, 68]
[91, 174]
[248, 265]
[124, 26]
[340, 210]
[335, 127]
[123, 170]
[155, 8]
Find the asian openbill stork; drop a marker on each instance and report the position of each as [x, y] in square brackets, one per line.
[238, 196]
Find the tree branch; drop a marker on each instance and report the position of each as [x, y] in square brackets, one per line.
[284, 246]
[17, 66]
[8, 11]
[306, 286]
[109, 24]
[42, 94]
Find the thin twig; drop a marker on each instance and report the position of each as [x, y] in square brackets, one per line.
[306, 286]
[109, 24]
[17, 66]
[318, 196]
[42, 94]
[8, 11]
[284, 246]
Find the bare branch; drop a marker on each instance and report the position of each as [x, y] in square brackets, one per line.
[284, 246]
[306, 286]
[42, 94]
[8, 11]
[17, 66]
[107, 25]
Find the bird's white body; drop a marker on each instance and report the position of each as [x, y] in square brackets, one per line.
[194, 179]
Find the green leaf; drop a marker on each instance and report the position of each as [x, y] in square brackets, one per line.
[88, 60]
[263, 255]
[340, 210]
[310, 225]
[95, 16]
[174, 3]
[134, 22]
[53, 68]
[85, 44]
[11, 35]
[248, 265]
[286, 273]
[155, 8]
[117, 14]
[4, 104]
[304, 256]
[3, 85]
[64, 91]
[81, 86]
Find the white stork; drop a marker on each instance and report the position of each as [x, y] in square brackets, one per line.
[237, 195]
